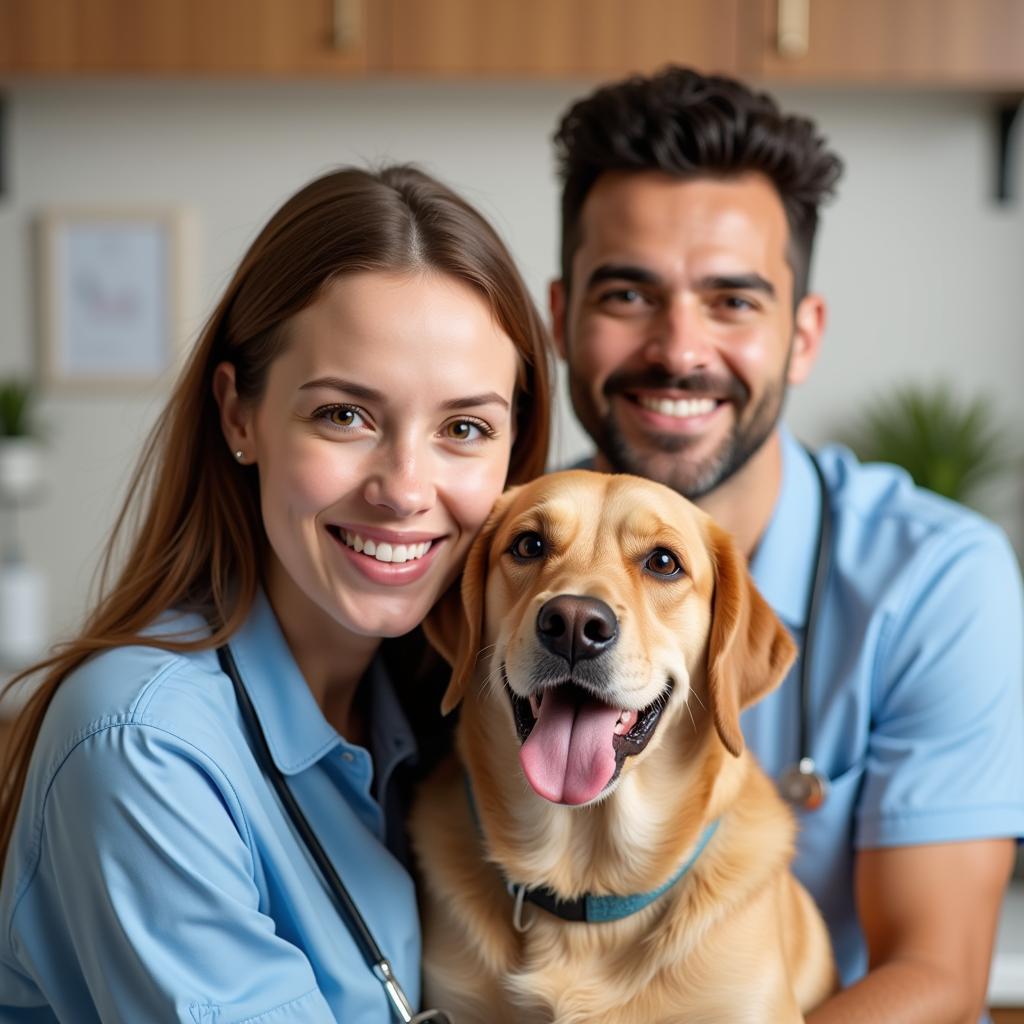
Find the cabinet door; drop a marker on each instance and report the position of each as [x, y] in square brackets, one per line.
[183, 37]
[556, 38]
[971, 43]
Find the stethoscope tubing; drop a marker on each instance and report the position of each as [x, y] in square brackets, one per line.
[350, 914]
[803, 784]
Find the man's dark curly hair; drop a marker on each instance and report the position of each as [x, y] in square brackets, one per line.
[690, 125]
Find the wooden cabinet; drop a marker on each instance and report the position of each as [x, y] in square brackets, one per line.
[450, 38]
[954, 43]
[184, 37]
[946, 43]
[564, 38]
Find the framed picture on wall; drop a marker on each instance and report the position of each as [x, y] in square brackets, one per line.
[110, 295]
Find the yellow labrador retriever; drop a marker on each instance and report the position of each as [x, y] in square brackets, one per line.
[610, 853]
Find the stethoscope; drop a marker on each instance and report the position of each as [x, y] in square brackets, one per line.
[802, 784]
[375, 959]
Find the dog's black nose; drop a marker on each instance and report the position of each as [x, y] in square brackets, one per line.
[576, 628]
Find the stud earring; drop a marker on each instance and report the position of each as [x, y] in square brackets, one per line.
[239, 455]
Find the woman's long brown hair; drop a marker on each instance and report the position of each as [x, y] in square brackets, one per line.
[190, 534]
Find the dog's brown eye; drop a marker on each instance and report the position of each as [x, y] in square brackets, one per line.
[527, 546]
[663, 563]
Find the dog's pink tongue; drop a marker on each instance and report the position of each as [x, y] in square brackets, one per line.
[568, 758]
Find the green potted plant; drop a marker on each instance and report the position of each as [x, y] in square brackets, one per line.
[20, 445]
[948, 444]
[22, 586]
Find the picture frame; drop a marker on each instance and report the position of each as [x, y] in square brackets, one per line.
[110, 296]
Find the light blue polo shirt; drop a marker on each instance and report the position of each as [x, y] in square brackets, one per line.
[153, 875]
[917, 688]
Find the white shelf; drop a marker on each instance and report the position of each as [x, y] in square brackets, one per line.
[1006, 981]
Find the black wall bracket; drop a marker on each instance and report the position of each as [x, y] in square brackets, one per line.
[1006, 115]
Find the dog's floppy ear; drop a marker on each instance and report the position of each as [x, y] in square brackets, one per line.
[455, 624]
[750, 651]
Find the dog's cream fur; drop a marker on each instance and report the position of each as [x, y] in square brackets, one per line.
[737, 939]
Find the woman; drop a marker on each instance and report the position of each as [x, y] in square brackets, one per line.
[372, 377]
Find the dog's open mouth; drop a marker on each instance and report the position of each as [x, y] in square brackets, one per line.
[574, 744]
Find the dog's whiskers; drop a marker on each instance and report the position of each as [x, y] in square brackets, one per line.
[494, 681]
[689, 711]
[485, 652]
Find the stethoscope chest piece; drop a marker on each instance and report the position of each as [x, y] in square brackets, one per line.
[803, 785]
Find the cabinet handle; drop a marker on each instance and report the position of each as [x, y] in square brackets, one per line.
[347, 24]
[794, 28]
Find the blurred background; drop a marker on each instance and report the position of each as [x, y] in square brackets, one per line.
[144, 142]
[204, 116]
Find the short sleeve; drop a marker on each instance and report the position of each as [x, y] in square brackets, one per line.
[945, 757]
[144, 905]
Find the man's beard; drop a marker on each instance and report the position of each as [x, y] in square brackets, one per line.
[692, 480]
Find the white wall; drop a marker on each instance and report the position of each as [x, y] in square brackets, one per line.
[923, 271]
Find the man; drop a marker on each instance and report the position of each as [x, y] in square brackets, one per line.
[689, 209]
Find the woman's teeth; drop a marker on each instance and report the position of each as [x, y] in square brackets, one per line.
[383, 551]
[683, 408]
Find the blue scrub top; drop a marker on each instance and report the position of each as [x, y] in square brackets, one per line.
[917, 687]
[153, 875]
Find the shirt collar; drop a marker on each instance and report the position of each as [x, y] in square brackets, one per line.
[783, 562]
[296, 730]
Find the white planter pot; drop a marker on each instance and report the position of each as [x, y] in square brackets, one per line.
[22, 614]
[21, 462]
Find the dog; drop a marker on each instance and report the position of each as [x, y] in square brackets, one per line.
[605, 849]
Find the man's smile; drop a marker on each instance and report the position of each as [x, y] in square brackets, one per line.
[680, 408]
[672, 412]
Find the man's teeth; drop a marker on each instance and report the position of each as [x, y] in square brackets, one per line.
[682, 408]
[385, 552]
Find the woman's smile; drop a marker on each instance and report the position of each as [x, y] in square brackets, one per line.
[387, 557]
[382, 441]
[383, 545]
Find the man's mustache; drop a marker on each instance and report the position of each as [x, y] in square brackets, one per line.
[700, 384]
